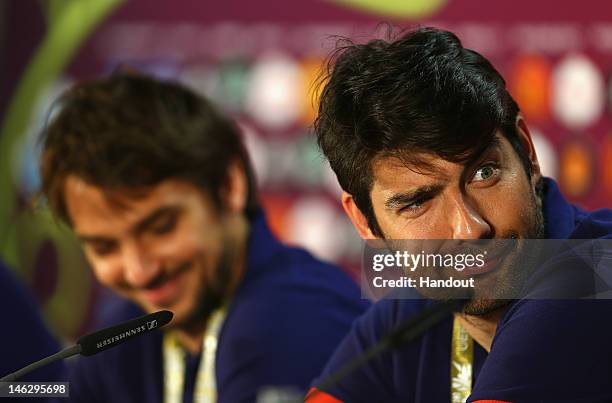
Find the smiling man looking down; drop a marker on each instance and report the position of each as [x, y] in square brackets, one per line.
[158, 187]
[428, 144]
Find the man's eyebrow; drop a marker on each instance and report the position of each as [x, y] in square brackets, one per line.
[93, 238]
[404, 198]
[495, 143]
[472, 162]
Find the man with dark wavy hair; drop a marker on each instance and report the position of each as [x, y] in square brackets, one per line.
[427, 143]
[158, 187]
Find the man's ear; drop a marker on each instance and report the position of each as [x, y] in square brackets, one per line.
[357, 218]
[235, 190]
[525, 138]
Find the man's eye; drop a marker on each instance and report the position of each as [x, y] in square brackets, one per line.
[414, 206]
[102, 248]
[485, 172]
[164, 225]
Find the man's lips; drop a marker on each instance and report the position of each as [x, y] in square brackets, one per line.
[163, 291]
[163, 294]
[492, 259]
[489, 265]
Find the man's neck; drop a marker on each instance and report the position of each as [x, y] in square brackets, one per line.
[190, 340]
[482, 328]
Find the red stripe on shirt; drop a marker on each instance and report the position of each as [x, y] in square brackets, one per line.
[317, 396]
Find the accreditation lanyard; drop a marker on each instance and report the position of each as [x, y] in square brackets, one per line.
[462, 356]
[205, 390]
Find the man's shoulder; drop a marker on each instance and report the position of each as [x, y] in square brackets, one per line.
[292, 278]
[592, 224]
[293, 300]
[276, 270]
[298, 289]
[295, 308]
[544, 345]
[300, 263]
[386, 315]
[558, 313]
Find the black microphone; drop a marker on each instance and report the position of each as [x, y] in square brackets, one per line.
[101, 340]
[104, 339]
[407, 331]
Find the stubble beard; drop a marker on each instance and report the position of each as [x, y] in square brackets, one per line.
[213, 294]
[517, 274]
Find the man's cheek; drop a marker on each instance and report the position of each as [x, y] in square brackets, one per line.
[175, 248]
[107, 274]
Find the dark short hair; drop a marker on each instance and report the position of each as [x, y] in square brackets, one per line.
[131, 131]
[422, 92]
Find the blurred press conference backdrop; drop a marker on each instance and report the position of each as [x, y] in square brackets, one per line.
[257, 61]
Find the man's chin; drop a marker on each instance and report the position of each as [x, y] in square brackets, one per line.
[483, 306]
[191, 317]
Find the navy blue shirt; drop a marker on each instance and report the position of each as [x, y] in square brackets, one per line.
[287, 316]
[25, 338]
[543, 350]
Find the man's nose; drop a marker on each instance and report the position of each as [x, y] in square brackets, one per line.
[467, 222]
[140, 268]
